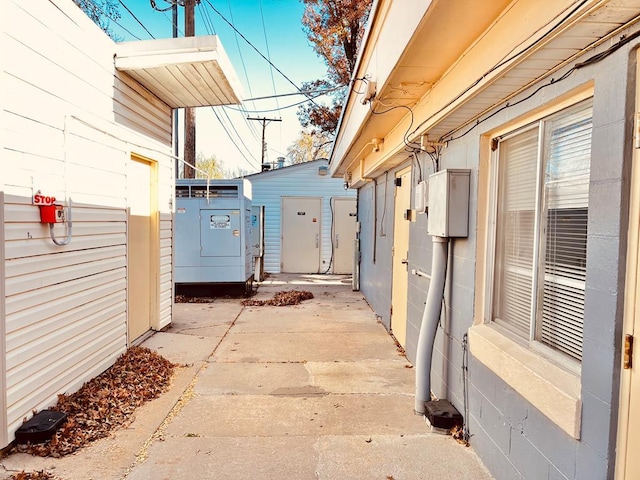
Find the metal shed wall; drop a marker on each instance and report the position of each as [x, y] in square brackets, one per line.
[70, 126]
[296, 180]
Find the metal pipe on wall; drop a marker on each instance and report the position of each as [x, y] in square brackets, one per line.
[430, 320]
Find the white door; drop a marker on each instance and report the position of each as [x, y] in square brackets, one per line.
[300, 235]
[400, 275]
[344, 234]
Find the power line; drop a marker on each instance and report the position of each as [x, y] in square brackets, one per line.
[266, 42]
[103, 12]
[279, 108]
[207, 19]
[265, 122]
[226, 114]
[136, 19]
[233, 141]
[211, 29]
[252, 45]
[244, 68]
[307, 93]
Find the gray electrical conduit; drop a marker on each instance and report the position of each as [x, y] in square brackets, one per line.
[430, 320]
[69, 225]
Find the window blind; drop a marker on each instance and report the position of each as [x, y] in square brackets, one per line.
[567, 155]
[515, 232]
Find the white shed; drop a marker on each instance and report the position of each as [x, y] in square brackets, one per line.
[77, 128]
[309, 219]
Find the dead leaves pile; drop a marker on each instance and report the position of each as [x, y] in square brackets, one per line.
[39, 475]
[106, 402]
[187, 299]
[281, 299]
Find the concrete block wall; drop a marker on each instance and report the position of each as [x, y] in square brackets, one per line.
[376, 242]
[512, 437]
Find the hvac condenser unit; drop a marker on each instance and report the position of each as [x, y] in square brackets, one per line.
[213, 232]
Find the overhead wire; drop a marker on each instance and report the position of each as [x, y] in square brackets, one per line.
[232, 140]
[589, 61]
[226, 114]
[104, 13]
[206, 18]
[266, 43]
[273, 83]
[210, 28]
[498, 65]
[272, 109]
[253, 46]
[136, 19]
[252, 127]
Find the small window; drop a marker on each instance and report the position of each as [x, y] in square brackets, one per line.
[541, 212]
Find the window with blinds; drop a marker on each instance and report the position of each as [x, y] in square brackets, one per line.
[541, 230]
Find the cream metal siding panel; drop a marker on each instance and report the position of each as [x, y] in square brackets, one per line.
[72, 124]
[299, 180]
[3, 365]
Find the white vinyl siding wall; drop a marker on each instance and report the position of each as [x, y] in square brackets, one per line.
[71, 124]
[301, 180]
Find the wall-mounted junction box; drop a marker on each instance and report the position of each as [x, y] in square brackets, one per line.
[421, 197]
[449, 203]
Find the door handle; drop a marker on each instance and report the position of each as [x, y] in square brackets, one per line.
[404, 261]
[317, 240]
[337, 242]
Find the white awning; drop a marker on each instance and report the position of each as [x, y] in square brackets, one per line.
[183, 72]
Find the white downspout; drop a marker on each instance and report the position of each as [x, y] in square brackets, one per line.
[430, 321]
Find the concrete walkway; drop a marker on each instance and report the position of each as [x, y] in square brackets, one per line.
[314, 391]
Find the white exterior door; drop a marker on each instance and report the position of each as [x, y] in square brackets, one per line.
[300, 232]
[344, 234]
[400, 276]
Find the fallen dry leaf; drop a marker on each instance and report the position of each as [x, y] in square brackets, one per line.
[106, 402]
[39, 475]
[281, 299]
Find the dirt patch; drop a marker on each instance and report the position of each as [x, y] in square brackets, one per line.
[105, 403]
[281, 299]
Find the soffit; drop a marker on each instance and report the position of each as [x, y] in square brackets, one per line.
[182, 72]
[416, 75]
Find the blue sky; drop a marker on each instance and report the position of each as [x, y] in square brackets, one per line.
[286, 46]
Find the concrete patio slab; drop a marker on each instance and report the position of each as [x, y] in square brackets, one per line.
[315, 391]
[182, 349]
[247, 458]
[306, 347]
[389, 457]
[251, 378]
[292, 412]
[307, 318]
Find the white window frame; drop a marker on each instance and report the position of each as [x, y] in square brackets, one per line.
[543, 380]
[552, 354]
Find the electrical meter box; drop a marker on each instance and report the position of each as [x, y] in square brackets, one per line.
[213, 232]
[449, 203]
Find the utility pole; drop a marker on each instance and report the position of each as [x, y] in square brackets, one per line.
[176, 138]
[264, 122]
[189, 112]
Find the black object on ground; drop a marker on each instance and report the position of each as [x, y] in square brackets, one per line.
[40, 427]
[441, 414]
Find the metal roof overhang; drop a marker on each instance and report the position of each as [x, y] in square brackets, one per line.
[182, 72]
